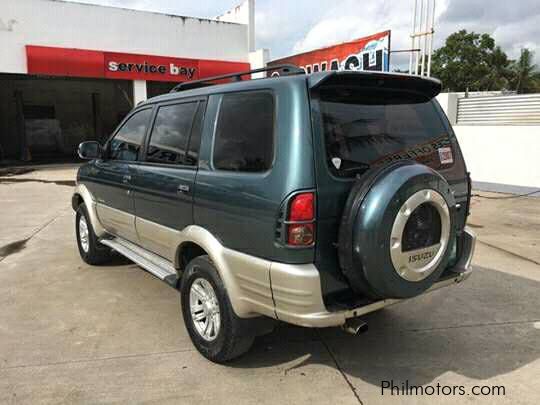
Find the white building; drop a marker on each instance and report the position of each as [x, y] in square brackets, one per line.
[69, 72]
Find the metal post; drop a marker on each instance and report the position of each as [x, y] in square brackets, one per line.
[423, 22]
[411, 55]
[420, 21]
[425, 30]
[430, 51]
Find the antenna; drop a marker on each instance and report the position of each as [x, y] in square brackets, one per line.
[423, 22]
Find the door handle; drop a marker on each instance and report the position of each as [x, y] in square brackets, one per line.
[126, 178]
[183, 188]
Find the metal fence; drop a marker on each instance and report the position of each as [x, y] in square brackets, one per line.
[499, 110]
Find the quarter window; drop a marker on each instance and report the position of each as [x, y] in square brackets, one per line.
[127, 142]
[171, 132]
[244, 139]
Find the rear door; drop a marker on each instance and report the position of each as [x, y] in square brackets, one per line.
[367, 120]
[163, 184]
[238, 192]
[112, 176]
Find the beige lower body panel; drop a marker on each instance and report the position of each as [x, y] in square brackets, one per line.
[157, 238]
[298, 297]
[246, 278]
[255, 286]
[82, 191]
[117, 222]
[305, 311]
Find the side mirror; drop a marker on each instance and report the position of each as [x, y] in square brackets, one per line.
[90, 150]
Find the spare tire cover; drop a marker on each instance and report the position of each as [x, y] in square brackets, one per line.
[397, 230]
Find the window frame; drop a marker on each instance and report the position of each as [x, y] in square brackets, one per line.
[202, 102]
[107, 146]
[274, 133]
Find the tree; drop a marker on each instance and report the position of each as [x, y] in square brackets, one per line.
[526, 77]
[471, 61]
[500, 74]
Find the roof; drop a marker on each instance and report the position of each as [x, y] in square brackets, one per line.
[428, 86]
[79, 3]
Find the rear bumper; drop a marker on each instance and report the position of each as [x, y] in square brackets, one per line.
[298, 298]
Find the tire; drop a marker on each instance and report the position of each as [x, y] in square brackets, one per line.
[373, 238]
[233, 337]
[91, 251]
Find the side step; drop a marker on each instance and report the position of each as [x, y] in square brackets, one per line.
[151, 262]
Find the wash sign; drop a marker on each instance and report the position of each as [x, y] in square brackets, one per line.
[367, 53]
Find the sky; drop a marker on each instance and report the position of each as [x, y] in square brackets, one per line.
[288, 27]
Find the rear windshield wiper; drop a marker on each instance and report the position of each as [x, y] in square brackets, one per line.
[350, 166]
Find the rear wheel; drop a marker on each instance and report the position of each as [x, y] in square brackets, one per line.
[215, 330]
[91, 251]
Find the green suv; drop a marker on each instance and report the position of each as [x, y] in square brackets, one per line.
[309, 199]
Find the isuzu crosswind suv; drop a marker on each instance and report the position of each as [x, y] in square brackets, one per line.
[308, 199]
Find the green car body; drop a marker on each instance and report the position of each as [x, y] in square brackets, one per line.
[175, 212]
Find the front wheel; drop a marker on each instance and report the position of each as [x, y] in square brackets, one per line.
[91, 251]
[215, 330]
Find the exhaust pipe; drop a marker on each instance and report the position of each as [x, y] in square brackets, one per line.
[354, 326]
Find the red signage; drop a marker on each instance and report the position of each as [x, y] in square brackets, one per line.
[113, 65]
[64, 62]
[367, 53]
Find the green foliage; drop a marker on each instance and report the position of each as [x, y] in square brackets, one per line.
[471, 61]
[525, 76]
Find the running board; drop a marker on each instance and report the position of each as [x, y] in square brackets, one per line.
[151, 262]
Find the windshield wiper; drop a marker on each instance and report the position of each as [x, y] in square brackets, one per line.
[352, 166]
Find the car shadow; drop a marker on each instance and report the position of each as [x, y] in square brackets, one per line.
[481, 329]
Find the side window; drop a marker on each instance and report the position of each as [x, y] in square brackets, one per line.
[170, 134]
[244, 139]
[126, 143]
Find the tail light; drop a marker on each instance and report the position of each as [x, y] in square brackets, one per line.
[301, 220]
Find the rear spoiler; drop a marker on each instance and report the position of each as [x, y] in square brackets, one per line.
[427, 86]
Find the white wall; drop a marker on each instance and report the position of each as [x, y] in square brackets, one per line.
[243, 13]
[502, 154]
[139, 91]
[72, 25]
[258, 59]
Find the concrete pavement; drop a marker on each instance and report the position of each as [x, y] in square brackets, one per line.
[73, 333]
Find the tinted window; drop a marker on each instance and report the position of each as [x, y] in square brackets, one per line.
[244, 134]
[170, 133]
[366, 128]
[126, 143]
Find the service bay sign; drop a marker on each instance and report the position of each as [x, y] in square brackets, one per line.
[124, 66]
[54, 61]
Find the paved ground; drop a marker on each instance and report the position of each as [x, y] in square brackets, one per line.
[71, 333]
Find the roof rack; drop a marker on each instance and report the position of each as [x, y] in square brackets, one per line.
[281, 70]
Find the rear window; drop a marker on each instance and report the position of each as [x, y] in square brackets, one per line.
[244, 140]
[364, 128]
